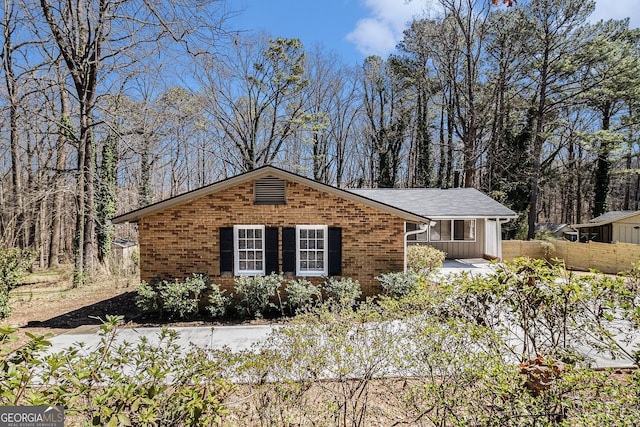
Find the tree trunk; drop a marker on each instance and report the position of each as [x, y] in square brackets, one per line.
[538, 141]
[603, 167]
[18, 233]
[61, 160]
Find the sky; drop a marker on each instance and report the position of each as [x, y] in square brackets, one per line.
[355, 29]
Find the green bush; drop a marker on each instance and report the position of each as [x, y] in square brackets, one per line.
[14, 264]
[177, 298]
[423, 259]
[141, 384]
[256, 293]
[399, 284]
[218, 301]
[302, 293]
[345, 291]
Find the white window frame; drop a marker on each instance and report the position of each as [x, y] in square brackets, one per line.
[453, 231]
[236, 251]
[325, 258]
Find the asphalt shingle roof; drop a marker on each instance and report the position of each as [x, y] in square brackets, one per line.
[435, 202]
[611, 216]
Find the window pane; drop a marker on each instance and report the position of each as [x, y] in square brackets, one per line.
[470, 230]
[464, 229]
[249, 249]
[311, 250]
[445, 229]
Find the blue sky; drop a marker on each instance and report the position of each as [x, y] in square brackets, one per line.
[355, 29]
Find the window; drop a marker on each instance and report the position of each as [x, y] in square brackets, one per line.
[441, 232]
[418, 237]
[464, 229]
[447, 230]
[311, 250]
[249, 249]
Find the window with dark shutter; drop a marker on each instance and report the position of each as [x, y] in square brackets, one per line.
[226, 251]
[289, 250]
[335, 251]
[269, 191]
[271, 250]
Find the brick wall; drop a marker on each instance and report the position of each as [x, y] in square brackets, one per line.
[183, 240]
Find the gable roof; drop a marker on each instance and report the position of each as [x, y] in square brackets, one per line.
[607, 218]
[439, 203]
[265, 171]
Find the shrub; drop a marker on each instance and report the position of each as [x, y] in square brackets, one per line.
[178, 298]
[423, 259]
[255, 293]
[302, 293]
[344, 291]
[150, 382]
[548, 249]
[399, 284]
[218, 301]
[148, 298]
[14, 264]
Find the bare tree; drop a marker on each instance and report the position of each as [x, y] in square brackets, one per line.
[255, 99]
[95, 38]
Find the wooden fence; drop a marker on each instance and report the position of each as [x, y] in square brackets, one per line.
[605, 257]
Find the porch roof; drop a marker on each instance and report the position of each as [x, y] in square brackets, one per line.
[440, 203]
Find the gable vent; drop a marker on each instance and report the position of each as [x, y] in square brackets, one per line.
[269, 191]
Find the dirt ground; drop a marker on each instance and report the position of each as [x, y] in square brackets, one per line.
[47, 303]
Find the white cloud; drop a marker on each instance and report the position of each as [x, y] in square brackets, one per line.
[379, 33]
[618, 9]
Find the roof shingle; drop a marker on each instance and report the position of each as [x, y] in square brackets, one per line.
[435, 202]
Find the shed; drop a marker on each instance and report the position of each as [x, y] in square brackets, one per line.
[611, 227]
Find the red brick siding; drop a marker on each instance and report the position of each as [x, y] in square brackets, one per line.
[183, 240]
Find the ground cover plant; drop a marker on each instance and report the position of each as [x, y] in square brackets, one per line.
[14, 264]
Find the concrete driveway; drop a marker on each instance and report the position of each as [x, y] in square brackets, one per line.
[473, 266]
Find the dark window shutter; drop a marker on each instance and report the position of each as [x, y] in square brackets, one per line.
[335, 251]
[271, 250]
[226, 250]
[289, 250]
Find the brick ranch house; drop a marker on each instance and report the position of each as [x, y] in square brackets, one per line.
[269, 220]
